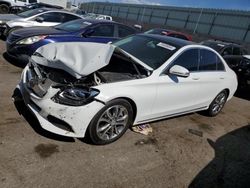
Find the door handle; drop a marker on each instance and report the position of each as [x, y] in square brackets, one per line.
[222, 78]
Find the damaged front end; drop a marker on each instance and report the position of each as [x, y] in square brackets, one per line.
[58, 84]
[72, 91]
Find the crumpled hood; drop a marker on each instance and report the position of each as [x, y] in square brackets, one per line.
[8, 17]
[77, 58]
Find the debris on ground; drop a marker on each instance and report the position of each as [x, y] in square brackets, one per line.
[144, 129]
[195, 132]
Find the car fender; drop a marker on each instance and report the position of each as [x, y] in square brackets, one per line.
[139, 91]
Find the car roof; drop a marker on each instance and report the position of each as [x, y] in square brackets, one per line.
[56, 10]
[96, 21]
[171, 40]
[218, 42]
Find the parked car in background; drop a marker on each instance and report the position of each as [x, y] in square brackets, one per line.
[170, 33]
[21, 44]
[36, 17]
[79, 11]
[235, 55]
[18, 9]
[100, 90]
[6, 4]
[242, 69]
[97, 16]
[226, 49]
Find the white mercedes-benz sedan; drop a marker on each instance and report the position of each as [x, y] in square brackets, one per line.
[100, 90]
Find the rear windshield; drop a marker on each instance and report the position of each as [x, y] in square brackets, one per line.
[30, 13]
[149, 50]
[75, 25]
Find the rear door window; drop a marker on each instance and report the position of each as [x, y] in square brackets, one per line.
[51, 17]
[68, 17]
[124, 31]
[209, 61]
[104, 31]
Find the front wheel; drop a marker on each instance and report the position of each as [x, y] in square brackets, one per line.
[217, 104]
[111, 122]
[4, 9]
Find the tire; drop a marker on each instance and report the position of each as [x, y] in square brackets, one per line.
[217, 104]
[111, 122]
[4, 9]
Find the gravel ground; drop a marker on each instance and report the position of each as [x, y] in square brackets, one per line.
[170, 157]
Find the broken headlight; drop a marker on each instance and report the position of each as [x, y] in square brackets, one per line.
[75, 96]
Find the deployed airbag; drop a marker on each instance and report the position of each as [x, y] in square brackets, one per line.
[77, 58]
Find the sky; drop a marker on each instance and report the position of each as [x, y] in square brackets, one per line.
[224, 4]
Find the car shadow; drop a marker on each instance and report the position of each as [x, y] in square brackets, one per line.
[230, 168]
[34, 123]
[243, 93]
[13, 61]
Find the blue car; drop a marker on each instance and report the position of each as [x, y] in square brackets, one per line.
[22, 43]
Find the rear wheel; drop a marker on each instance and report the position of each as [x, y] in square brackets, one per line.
[111, 122]
[4, 9]
[217, 104]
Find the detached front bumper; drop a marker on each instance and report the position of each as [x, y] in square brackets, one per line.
[59, 119]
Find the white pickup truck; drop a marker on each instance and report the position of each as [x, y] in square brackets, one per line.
[6, 4]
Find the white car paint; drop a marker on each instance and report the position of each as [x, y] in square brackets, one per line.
[156, 97]
[31, 22]
[82, 58]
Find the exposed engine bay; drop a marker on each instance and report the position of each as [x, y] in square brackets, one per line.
[120, 68]
[77, 91]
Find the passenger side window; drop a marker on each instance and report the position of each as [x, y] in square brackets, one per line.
[188, 59]
[68, 17]
[209, 61]
[104, 31]
[51, 17]
[124, 31]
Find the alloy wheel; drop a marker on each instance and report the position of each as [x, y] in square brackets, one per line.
[112, 122]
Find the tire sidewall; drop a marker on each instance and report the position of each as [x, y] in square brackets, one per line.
[5, 7]
[93, 124]
[210, 111]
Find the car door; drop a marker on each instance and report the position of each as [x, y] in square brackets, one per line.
[177, 94]
[209, 78]
[48, 19]
[102, 33]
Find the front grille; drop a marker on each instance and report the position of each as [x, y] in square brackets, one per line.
[13, 38]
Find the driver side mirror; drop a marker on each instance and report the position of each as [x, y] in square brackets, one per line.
[178, 70]
[39, 19]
